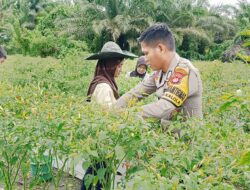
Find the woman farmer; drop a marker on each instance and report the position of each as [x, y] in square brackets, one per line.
[140, 69]
[103, 88]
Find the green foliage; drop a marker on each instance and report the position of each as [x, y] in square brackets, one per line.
[243, 15]
[43, 110]
[245, 159]
[14, 149]
[244, 53]
[34, 43]
[216, 50]
[239, 48]
[198, 27]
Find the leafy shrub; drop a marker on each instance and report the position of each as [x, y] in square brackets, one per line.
[34, 43]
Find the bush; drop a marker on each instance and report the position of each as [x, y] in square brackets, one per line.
[216, 50]
[34, 43]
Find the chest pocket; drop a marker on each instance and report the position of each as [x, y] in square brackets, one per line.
[176, 90]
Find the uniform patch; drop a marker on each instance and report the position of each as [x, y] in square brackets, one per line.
[179, 73]
[177, 87]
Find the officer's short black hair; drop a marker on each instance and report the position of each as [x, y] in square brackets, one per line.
[156, 33]
[3, 53]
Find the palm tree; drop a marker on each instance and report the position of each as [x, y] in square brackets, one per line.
[97, 21]
[122, 19]
[195, 27]
[243, 14]
[183, 17]
[78, 23]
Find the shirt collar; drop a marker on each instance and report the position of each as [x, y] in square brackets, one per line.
[174, 62]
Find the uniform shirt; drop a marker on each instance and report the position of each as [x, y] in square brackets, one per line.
[103, 94]
[180, 88]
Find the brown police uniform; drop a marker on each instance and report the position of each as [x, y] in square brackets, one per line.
[180, 88]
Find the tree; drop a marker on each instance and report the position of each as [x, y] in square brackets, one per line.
[100, 21]
[239, 48]
[243, 14]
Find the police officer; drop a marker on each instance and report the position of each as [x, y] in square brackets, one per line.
[175, 80]
[3, 55]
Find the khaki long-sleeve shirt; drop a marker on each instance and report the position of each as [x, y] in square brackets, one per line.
[180, 88]
[103, 94]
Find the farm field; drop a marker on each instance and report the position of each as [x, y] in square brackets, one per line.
[43, 110]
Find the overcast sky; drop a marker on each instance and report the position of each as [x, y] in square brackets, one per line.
[219, 2]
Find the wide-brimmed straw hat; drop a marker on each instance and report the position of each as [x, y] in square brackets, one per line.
[111, 50]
